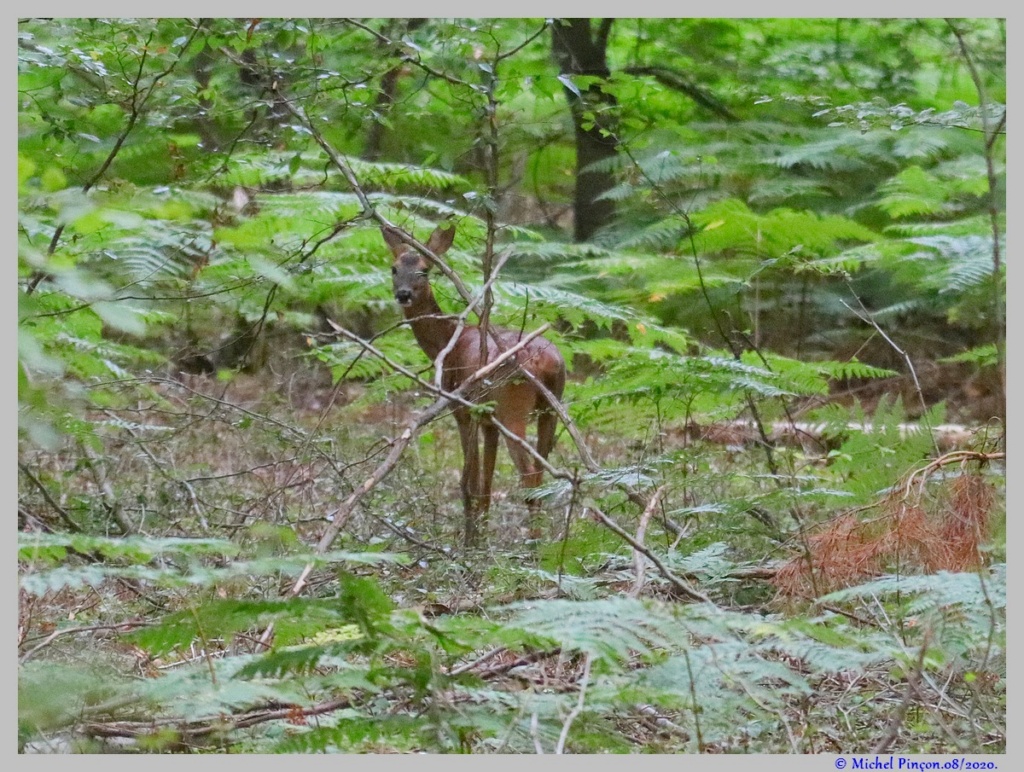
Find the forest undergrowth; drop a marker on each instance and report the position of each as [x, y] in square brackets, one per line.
[821, 627]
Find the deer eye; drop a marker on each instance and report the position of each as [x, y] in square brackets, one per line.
[393, 270]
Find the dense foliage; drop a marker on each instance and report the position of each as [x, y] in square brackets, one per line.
[772, 252]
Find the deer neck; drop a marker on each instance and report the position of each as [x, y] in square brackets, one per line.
[432, 328]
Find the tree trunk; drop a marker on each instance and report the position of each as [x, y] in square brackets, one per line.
[578, 50]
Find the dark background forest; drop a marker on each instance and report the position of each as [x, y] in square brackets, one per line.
[772, 255]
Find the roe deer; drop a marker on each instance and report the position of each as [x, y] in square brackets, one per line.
[515, 397]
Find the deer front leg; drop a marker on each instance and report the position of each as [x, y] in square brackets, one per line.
[490, 433]
[470, 481]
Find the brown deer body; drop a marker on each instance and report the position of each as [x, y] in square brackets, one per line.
[515, 398]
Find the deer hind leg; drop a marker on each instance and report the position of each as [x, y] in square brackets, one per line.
[547, 418]
[470, 481]
[547, 422]
[513, 410]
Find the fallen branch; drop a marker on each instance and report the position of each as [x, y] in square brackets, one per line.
[741, 432]
[49, 499]
[130, 625]
[205, 726]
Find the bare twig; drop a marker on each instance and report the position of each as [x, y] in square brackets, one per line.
[364, 201]
[206, 726]
[535, 733]
[161, 469]
[865, 316]
[460, 322]
[526, 659]
[638, 558]
[414, 60]
[584, 681]
[49, 499]
[681, 584]
[110, 502]
[954, 457]
[661, 722]
[477, 662]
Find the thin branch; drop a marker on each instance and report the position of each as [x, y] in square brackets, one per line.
[865, 316]
[526, 659]
[638, 559]
[130, 625]
[477, 662]
[676, 80]
[414, 60]
[584, 681]
[529, 39]
[535, 733]
[681, 584]
[460, 321]
[49, 499]
[110, 502]
[364, 201]
[953, 457]
[205, 726]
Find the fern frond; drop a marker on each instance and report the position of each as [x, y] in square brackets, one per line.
[558, 251]
[983, 356]
[613, 628]
[834, 152]
[926, 144]
[730, 225]
[943, 587]
[574, 307]
[970, 260]
[910, 193]
[978, 225]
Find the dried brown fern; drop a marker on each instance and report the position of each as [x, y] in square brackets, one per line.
[918, 531]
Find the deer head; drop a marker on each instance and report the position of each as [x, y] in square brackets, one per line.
[410, 270]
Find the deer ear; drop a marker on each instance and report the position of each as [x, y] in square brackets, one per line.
[393, 240]
[441, 239]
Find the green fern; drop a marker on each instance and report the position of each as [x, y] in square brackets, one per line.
[982, 356]
[613, 628]
[731, 226]
[311, 168]
[915, 191]
[869, 462]
[962, 615]
[168, 561]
